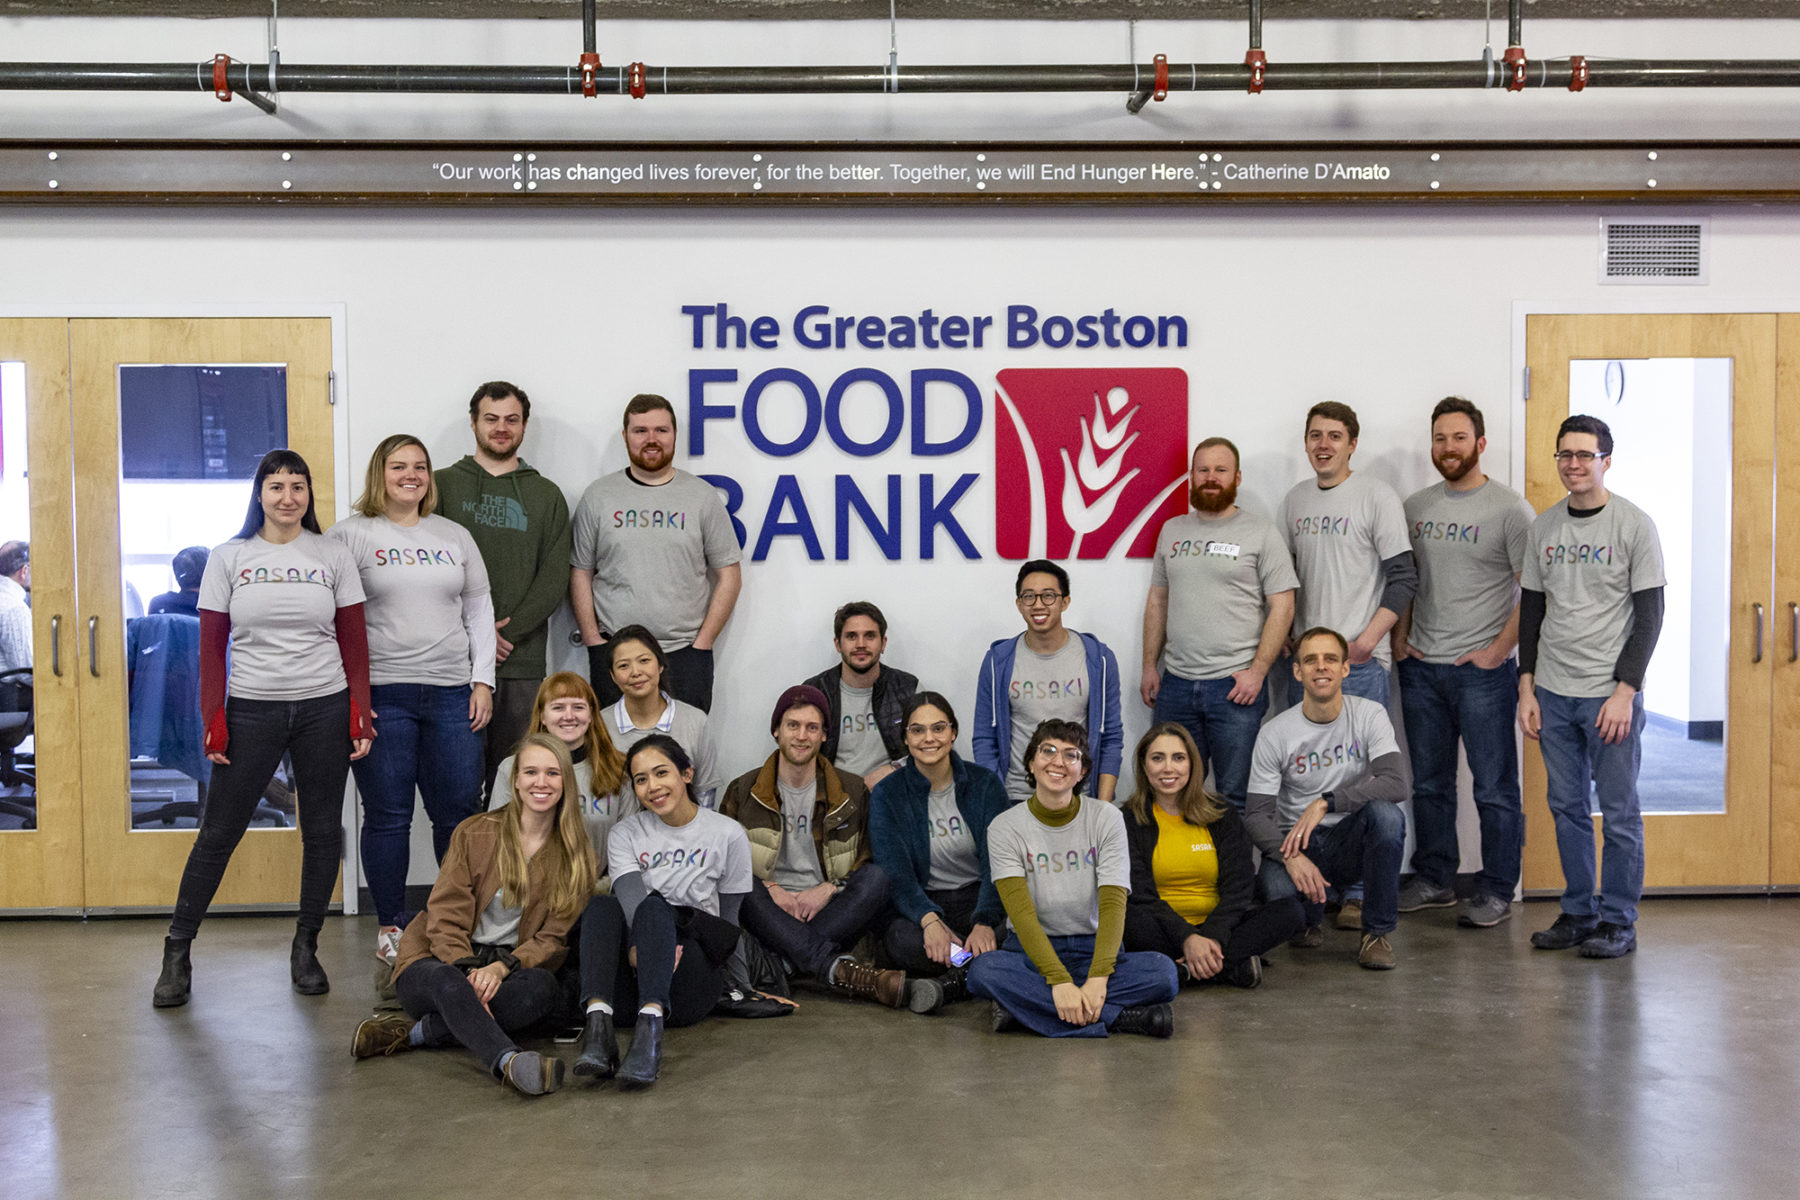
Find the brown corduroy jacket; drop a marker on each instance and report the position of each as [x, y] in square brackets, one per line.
[466, 884]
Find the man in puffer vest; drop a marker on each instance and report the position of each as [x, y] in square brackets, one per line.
[817, 890]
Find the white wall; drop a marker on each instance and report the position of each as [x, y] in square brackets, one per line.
[1388, 309]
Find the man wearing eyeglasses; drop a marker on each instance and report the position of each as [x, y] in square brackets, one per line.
[1325, 789]
[1221, 601]
[868, 697]
[1453, 652]
[1049, 672]
[1589, 617]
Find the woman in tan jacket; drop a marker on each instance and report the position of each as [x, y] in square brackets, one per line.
[479, 963]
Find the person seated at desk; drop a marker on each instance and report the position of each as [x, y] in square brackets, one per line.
[189, 566]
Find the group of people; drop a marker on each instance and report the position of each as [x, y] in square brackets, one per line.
[595, 864]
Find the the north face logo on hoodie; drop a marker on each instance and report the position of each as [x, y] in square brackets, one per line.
[499, 512]
[1088, 460]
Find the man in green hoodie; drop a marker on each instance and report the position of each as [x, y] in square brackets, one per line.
[520, 523]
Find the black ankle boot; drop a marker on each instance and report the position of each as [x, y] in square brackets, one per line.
[599, 1058]
[1149, 1020]
[643, 1061]
[303, 964]
[177, 978]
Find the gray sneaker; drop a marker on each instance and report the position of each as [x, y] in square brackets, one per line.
[1422, 893]
[1483, 912]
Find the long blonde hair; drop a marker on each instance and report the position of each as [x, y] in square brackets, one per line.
[571, 872]
[373, 501]
[1196, 805]
[607, 763]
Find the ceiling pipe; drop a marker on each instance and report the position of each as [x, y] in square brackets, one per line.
[696, 81]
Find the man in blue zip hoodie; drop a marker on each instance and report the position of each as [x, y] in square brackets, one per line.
[1049, 671]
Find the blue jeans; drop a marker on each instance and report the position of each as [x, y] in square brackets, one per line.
[1578, 766]
[422, 742]
[1365, 847]
[1440, 703]
[1225, 732]
[812, 946]
[1008, 977]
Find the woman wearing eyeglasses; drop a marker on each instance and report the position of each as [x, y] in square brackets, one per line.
[1049, 672]
[1063, 870]
[928, 826]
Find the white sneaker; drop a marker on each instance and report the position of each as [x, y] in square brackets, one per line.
[387, 944]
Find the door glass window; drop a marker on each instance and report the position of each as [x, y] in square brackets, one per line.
[191, 436]
[1671, 423]
[18, 765]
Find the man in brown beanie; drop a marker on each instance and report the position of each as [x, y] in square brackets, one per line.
[817, 891]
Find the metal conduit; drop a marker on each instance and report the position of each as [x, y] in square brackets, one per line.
[694, 81]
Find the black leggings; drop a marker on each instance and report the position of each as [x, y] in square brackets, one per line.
[1262, 929]
[687, 991]
[258, 733]
[904, 940]
[444, 1001]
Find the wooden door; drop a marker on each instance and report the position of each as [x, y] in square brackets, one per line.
[1695, 850]
[1784, 639]
[133, 858]
[41, 825]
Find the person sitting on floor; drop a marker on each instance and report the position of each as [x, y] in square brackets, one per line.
[656, 947]
[1063, 871]
[1192, 879]
[928, 826]
[479, 963]
[819, 890]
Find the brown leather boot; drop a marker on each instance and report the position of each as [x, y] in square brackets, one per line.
[870, 983]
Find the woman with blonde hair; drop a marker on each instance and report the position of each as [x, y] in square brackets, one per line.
[479, 963]
[567, 709]
[431, 669]
[1192, 881]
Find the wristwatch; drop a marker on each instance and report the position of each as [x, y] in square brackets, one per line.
[1330, 806]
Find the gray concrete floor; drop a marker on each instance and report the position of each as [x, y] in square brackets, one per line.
[1479, 1068]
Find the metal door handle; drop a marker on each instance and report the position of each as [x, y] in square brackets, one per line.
[56, 645]
[1759, 633]
[94, 628]
[1793, 632]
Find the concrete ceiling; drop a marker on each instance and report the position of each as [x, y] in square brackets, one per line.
[675, 10]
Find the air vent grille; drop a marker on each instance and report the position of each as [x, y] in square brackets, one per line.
[1653, 252]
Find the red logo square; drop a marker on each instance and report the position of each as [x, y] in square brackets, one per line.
[1088, 459]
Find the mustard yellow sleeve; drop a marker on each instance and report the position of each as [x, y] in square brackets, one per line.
[1015, 894]
[1111, 932]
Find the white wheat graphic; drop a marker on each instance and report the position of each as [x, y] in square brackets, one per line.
[1091, 473]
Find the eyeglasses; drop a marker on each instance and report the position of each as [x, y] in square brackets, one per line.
[1039, 599]
[937, 730]
[1069, 755]
[1584, 457]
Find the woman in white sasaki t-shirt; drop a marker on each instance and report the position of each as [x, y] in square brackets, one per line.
[431, 670]
[288, 602]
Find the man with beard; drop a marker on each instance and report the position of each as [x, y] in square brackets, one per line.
[867, 698]
[645, 538]
[817, 889]
[520, 523]
[1453, 650]
[1221, 601]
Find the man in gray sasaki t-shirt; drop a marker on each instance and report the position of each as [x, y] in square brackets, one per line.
[1221, 600]
[1589, 616]
[1325, 787]
[1453, 653]
[867, 696]
[818, 890]
[646, 539]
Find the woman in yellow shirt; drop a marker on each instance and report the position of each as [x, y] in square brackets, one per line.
[1192, 881]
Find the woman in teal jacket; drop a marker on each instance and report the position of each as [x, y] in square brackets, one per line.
[928, 830]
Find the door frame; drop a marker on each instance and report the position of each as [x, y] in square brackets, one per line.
[1645, 301]
[346, 477]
